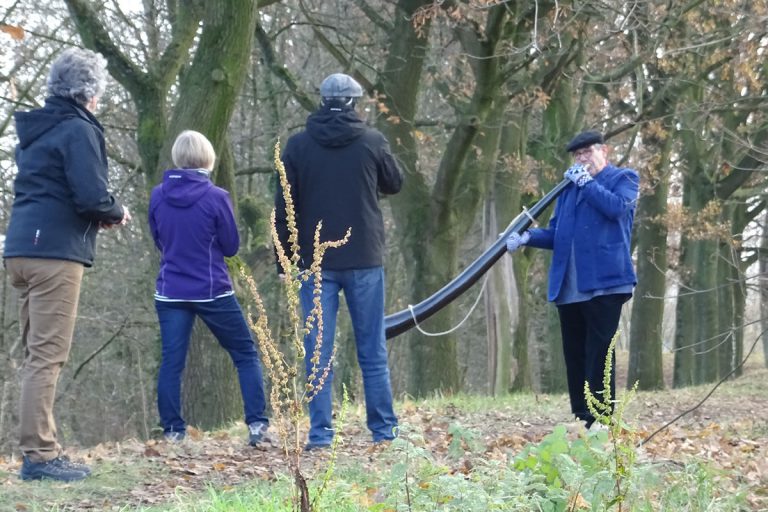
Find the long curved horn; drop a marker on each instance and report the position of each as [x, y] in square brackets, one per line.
[398, 323]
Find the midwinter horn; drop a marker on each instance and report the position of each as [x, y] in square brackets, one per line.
[398, 323]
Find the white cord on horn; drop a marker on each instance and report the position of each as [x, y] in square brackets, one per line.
[528, 214]
[449, 331]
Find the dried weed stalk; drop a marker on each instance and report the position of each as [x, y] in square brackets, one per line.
[290, 389]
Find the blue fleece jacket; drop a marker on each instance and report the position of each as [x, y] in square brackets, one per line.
[595, 222]
[193, 226]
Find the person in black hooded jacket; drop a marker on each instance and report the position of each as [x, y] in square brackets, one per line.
[337, 168]
[60, 202]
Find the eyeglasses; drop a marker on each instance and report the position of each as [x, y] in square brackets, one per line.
[586, 151]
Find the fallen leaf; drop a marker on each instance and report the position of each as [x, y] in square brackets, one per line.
[15, 32]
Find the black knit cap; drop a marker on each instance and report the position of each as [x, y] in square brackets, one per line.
[584, 139]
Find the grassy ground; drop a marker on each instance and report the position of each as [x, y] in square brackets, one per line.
[728, 434]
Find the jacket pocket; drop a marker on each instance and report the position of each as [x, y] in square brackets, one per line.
[610, 261]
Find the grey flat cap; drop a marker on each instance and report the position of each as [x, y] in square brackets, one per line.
[339, 85]
[584, 139]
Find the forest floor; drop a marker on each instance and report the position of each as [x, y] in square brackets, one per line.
[730, 430]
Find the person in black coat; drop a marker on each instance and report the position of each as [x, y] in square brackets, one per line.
[61, 200]
[337, 169]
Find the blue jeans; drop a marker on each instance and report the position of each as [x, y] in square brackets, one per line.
[364, 293]
[225, 319]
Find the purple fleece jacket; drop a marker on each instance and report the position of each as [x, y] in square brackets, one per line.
[194, 228]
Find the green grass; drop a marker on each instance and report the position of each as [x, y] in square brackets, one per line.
[342, 496]
[407, 477]
[490, 486]
[412, 475]
[110, 479]
[545, 404]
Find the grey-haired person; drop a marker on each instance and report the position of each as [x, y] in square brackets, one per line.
[591, 275]
[61, 200]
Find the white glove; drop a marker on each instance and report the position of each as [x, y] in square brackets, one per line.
[578, 174]
[515, 240]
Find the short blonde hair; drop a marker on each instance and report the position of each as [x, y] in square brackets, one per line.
[193, 151]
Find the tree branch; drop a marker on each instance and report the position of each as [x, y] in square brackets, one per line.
[268, 53]
[95, 35]
[346, 64]
[101, 348]
[184, 29]
[746, 167]
[373, 15]
[256, 169]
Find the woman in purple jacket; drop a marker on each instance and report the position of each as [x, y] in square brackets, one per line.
[193, 226]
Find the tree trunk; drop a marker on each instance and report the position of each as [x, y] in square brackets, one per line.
[683, 373]
[646, 336]
[512, 272]
[552, 377]
[735, 270]
[206, 99]
[151, 132]
[702, 352]
[401, 79]
[730, 313]
[210, 391]
[208, 90]
[500, 301]
[762, 285]
[498, 292]
[706, 305]
[696, 360]
[207, 95]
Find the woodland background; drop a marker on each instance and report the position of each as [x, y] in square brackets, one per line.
[478, 99]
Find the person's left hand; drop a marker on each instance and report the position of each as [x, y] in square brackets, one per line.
[125, 220]
[515, 240]
[578, 174]
[126, 216]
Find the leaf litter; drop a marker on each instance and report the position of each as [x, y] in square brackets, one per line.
[730, 431]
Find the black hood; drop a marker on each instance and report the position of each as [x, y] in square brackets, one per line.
[30, 126]
[333, 128]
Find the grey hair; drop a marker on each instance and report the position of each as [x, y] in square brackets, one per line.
[78, 74]
[192, 150]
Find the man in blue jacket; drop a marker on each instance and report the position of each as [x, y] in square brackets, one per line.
[337, 168]
[591, 275]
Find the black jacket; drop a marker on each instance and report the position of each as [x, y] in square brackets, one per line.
[337, 168]
[60, 190]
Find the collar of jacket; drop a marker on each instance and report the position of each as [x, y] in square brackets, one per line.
[70, 104]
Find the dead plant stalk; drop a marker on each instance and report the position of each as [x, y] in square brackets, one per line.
[284, 362]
